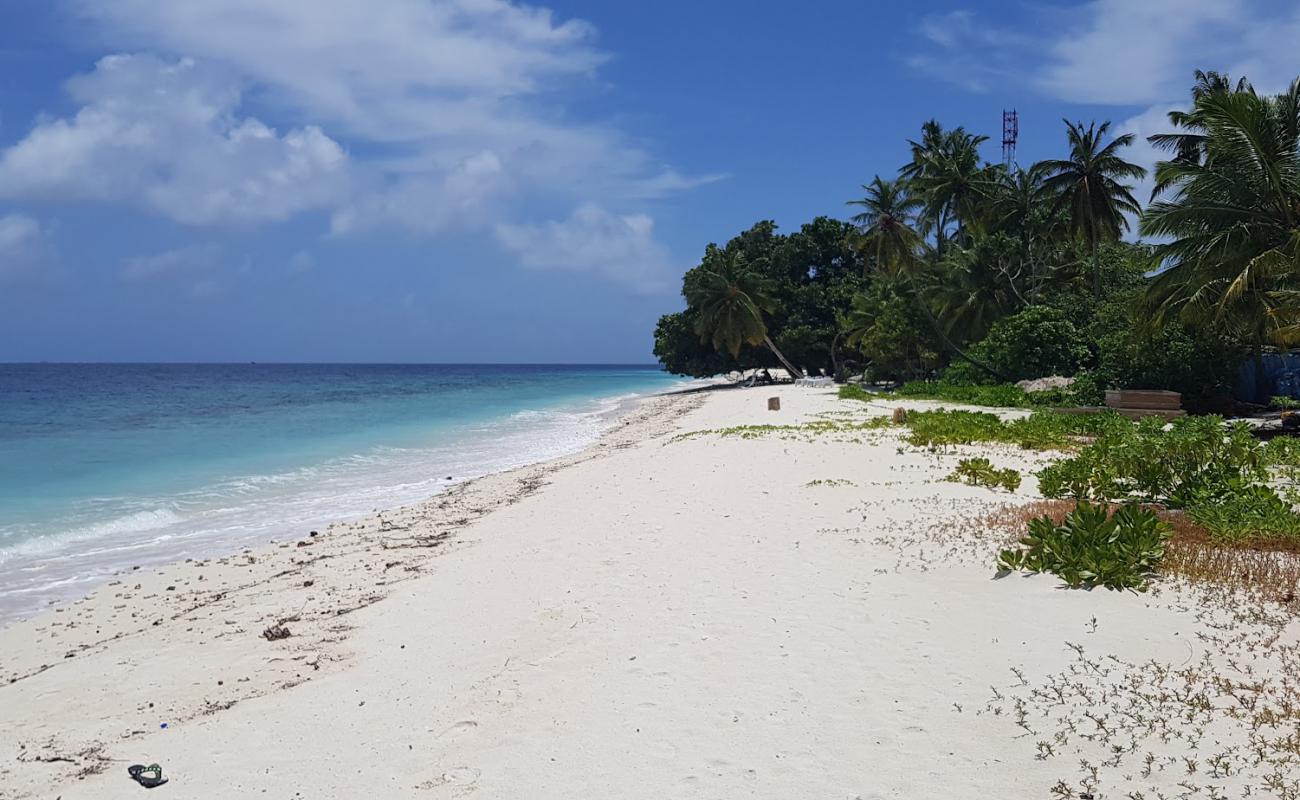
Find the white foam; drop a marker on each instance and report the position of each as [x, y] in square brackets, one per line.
[247, 510]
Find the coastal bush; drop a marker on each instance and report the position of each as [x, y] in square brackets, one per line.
[1032, 343]
[1093, 547]
[1250, 514]
[1197, 459]
[1042, 430]
[981, 472]
[852, 391]
[1005, 395]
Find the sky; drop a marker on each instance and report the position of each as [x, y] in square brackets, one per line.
[483, 181]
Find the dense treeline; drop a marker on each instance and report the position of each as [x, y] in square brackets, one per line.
[985, 273]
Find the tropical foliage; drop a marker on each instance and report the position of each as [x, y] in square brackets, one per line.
[1093, 547]
[987, 273]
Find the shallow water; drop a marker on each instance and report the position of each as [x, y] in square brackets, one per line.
[108, 466]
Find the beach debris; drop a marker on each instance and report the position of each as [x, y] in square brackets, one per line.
[276, 633]
[149, 777]
[773, 404]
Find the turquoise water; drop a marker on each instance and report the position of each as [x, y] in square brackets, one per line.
[108, 466]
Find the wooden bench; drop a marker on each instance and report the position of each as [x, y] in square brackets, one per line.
[1139, 403]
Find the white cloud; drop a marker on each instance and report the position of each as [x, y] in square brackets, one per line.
[164, 135]
[1112, 52]
[1129, 53]
[179, 261]
[22, 245]
[458, 105]
[619, 247]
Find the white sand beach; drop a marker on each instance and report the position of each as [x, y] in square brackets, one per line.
[656, 617]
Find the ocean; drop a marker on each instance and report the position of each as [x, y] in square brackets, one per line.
[107, 466]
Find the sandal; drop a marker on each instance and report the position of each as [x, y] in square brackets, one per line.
[149, 777]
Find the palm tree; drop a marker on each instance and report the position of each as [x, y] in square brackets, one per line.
[946, 174]
[730, 301]
[886, 223]
[1231, 217]
[1188, 143]
[888, 235]
[1088, 184]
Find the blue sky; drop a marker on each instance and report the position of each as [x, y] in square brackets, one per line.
[477, 180]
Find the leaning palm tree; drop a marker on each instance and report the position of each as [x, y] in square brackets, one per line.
[887, 234]
[730, 302]
[1231, 216]
[1089, 186]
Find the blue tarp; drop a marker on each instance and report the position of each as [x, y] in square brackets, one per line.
[1282, 376]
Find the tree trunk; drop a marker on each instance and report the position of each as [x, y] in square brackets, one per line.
[794, 371]
[1096, 270]
[943, 337]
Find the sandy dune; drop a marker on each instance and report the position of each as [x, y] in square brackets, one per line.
[701, 617]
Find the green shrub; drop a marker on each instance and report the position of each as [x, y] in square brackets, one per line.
[1251, 512]
[852, 391]
[1092, 547]
[1196, 459]
[1042, 430]
[981, 472]
[1284, 403]
[1005, 395]
[1032, 343]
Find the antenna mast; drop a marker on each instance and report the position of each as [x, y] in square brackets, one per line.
[1010, 133]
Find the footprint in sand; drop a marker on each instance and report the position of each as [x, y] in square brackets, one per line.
[459, 729]
[461, 776]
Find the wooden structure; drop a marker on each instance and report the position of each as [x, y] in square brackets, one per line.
[1139, 403]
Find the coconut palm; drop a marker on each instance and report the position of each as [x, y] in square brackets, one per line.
[946, 174]
[886, 224]
[1188, 144]
[1231, 214]
[1088, 185]
[730, 302]
[889, 237]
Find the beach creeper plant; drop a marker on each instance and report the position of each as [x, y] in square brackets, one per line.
[1093, 547]
[981, 472]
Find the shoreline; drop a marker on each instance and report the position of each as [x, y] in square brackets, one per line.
[606, 409]
[659, 615]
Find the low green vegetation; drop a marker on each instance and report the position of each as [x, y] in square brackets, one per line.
[817, 427]
[1093, 547]
[1042, 430]
[1193, 460]
[981, 472]
[1000, 395]
[830, 482]
[1219, 474]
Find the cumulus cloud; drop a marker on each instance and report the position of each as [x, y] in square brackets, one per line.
[22, 245]
[424, 116]
[457, 104]
[1112, 52]
[593, 239]
[1128, 53]
[164, 135]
